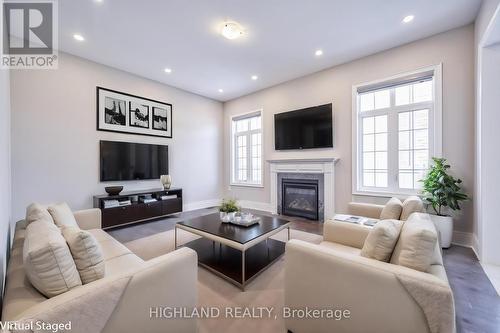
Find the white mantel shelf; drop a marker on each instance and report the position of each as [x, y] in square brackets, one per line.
[325, 166]
[305, 160]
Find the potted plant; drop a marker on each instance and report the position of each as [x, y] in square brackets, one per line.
[443, 193]
[228, 209]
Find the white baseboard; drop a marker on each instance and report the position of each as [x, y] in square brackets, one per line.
[462, 238]
[475, 246]
[200, 205]
[263, 206]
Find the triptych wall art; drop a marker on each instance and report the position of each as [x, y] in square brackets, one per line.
[126, 113]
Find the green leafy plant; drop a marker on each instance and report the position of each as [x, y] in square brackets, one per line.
[229, 206]
[440, 189]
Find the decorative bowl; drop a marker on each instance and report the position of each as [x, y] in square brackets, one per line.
[113, 190]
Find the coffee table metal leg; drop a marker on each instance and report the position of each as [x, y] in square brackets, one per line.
[175, 238]
[243, 270]
[288, 233]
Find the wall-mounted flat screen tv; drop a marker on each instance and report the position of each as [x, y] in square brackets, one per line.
[132, 161]
[304, 129]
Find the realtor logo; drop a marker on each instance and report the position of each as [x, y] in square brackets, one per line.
[29, 35]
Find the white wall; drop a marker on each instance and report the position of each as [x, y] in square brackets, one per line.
[454, 49]
[5, 193]
[486, 227]
[55, 145]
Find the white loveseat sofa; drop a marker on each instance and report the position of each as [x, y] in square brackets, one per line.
[380, 296]
[129, 298]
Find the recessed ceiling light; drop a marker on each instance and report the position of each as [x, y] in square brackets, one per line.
[408, 19]
[221, 90]
[254, 77]
[168, 70]
[99, 1]
[318, 52]
[232, 30]
[78, 37]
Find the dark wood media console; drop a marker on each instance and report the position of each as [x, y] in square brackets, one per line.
[138, 211]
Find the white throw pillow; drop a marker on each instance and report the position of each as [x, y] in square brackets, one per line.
[62, 215]
[86, 252]
[411, 205]
[381, 240]
[392, 210]
[47, 259]
[417, 243]
[35, 212]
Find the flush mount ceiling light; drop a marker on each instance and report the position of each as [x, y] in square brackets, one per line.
[408, 18]
[78, 37]
[232, 30]
[318, 52]
[168, 70]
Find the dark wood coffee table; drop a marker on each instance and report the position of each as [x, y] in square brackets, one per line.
[237, 254]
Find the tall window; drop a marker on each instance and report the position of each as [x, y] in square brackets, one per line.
[397, 126]
[247, 149]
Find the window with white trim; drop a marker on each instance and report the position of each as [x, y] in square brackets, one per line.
[397, 132]
[247, 149]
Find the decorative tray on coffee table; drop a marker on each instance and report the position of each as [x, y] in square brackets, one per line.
[246, 220]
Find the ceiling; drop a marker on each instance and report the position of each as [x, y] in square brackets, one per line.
[281, 36]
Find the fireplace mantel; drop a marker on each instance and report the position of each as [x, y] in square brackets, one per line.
[325, 166]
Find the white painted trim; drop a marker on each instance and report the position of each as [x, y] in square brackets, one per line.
[262, 206]
[200, 204]
[232, 164]
[437, 119]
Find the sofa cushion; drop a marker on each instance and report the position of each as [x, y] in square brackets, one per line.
[411, 205]
[123, 264]
[392, 210]
[47, 259]
[417, 243]
[341, 248]
[36, 212]
[62, 215]
[381, 240]
[86, 253]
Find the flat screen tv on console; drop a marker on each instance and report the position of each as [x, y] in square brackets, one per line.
[304, 129]
[132, 161]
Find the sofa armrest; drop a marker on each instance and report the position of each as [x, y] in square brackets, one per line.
[345, 233]
[88, 219]
[126, 302]
[322, 278]
[365, 209]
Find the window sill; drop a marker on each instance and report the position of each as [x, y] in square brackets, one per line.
[385, 194]
[247, 185]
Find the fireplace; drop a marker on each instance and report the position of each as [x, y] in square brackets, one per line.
[300, 198]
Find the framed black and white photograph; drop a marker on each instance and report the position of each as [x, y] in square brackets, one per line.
[160, 119]
[114, 111]
[126, 113]
[139, 115]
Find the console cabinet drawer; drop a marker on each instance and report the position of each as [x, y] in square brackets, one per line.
[171, 206]
[118, 215]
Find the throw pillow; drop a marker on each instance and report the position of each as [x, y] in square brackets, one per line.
[411, 205]
[417, 243]
[47, 260]
[381, 240]
[35, 212]
[62, 215]
[86, 253]
[392, 210]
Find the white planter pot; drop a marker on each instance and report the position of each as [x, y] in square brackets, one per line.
[444, 226]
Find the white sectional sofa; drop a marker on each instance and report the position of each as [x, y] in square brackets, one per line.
[380, 296]
[123, 301]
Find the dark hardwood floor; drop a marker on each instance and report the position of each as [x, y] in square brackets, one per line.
[477, 303]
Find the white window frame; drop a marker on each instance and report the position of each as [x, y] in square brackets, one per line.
[234, 163]
[435, 132]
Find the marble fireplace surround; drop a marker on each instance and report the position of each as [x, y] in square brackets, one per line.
[302, 167]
